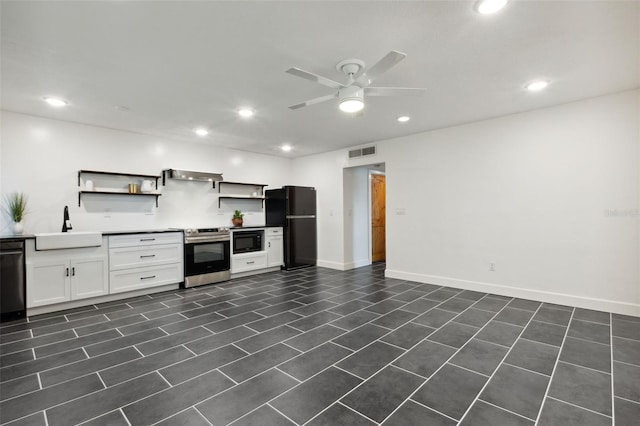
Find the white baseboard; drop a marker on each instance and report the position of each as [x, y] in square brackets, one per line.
[331, 265]
[343, 266]
[614, 306]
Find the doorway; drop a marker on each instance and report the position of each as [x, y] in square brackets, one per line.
[378, 214]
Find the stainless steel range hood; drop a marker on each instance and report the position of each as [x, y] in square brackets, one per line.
[191, 175]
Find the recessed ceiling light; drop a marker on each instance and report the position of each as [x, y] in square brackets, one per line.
[403, 118]
[487, 7]
[245, 112]
[537, 85]
[286, 147]
[201, 131]
[56, 102]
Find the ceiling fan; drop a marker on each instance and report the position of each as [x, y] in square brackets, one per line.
[359, 79]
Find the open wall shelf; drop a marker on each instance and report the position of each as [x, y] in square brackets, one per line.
[245, 195]
[116, 192]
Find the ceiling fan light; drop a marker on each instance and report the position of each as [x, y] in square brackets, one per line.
[351, 105]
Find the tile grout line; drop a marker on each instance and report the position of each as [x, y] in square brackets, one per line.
[590, 341]
[235, 382]
[527, 369]
[431, 409]
[628, 400]
[506, 409]
[524, 328]
[579, 407]
[348, 408]
[585, 367]
[555, 366]
[275, 409]
[613, 395]
[126, 419]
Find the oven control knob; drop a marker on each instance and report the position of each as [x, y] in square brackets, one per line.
[223, 229]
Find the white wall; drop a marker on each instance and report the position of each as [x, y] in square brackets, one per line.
[324, 172]
[551, 197]
[357, 223]
[41, 157]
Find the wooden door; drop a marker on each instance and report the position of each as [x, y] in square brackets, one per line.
[378, 209]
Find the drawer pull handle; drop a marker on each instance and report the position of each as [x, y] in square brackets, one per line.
[147, 239]
[147, 255]
[73, 271]
[249, 263]
[147, 278]
[67, 272]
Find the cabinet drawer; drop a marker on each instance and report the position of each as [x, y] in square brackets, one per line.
[274, 231]
[248, 262]
[132, 240]
[134, 257]
[139, 278]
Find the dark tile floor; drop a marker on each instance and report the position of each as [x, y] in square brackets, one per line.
[321, 347]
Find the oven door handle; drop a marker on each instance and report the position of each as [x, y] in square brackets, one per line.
[197, 240]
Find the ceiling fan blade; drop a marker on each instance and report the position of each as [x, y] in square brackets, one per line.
[394, 91]
[315, 77]
[314, 101]
[390, 60]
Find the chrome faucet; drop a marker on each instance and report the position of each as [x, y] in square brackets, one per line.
[66, 223]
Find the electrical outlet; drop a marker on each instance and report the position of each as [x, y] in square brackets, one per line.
[492, 267]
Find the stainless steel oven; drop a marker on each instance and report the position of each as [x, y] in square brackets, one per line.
[247, 241]
[207, 256]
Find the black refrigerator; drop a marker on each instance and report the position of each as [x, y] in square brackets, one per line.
[294, 208]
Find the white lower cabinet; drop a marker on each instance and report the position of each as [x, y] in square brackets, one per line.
[47, 283]
[89, 278]
[139, 278]
[248, 261]
[139, 261]
[275, 247]
[123, 263]
[56, 276]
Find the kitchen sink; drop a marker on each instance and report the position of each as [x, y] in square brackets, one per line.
[65, 240]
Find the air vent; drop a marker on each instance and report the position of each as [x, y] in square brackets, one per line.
[362, 152]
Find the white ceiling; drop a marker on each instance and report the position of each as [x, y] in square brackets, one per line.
[177, 65]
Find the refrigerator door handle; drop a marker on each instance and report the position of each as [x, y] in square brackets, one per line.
[308, 216]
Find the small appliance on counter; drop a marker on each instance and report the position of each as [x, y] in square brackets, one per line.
[294, 208]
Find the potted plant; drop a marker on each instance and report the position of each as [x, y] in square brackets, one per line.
[237, 218]
[15, 205]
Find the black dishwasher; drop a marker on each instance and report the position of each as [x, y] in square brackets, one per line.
[12, 280]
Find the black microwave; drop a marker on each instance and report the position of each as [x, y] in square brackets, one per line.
[247, 241]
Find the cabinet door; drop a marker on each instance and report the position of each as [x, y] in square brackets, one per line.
[275, 255]
[89, 278]
[48, 282]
